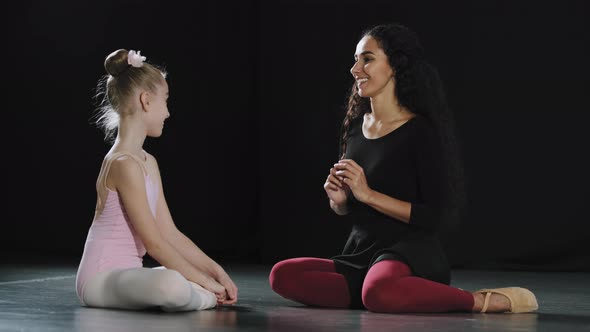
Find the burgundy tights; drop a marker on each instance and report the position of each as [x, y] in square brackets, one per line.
[388, 287]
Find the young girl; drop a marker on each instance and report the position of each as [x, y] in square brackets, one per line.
[400, 179]
[132, 216]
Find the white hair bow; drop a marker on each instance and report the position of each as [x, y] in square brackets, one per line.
[135, 59]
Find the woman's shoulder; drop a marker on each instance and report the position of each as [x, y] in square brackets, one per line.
[422, 125]
[421, 121]
[425, 134]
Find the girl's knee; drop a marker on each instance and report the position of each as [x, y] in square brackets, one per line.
[172, 288]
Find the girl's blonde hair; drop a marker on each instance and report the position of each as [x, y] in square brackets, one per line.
[115, 88]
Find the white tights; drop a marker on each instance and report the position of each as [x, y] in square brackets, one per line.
[142, 288]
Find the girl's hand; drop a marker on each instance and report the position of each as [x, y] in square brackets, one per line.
[215, 288]
[354, 177]
[337, 190]
[230, 288]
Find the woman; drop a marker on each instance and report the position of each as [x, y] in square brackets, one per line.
[400, 179]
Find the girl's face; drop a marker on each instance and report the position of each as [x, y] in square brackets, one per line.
[371, 70]
[158, 111]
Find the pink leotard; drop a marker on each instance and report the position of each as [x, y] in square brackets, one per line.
[112, 243]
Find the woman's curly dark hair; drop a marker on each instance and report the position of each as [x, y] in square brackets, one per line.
[418, 88]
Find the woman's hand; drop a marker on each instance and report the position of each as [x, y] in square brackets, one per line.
[354, 178]
[230, 288]
[337, 190]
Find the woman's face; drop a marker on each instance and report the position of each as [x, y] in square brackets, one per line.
[371, 70]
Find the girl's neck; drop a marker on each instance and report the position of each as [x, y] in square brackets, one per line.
[130, 136]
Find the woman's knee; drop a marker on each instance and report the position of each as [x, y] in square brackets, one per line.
[371, 297]
[282, 274]
[276, 275]
[377, 298]
[286, 276]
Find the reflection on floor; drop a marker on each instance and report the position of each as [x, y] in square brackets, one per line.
[35, 297]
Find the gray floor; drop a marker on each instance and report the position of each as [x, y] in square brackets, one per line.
[42, 298]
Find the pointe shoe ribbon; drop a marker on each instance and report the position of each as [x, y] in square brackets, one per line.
[521, 299]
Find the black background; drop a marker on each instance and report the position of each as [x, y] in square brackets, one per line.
[257, 96]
